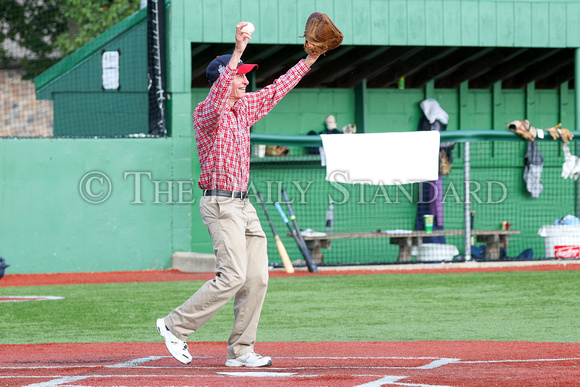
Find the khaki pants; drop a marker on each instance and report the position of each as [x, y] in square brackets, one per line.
[241, 271]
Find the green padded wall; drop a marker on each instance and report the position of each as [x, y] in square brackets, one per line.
[48, 226]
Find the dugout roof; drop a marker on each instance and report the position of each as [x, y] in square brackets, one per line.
[448, 41]
[382, 66]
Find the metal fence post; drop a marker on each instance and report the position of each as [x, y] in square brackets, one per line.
[577, 121]
[467, 207]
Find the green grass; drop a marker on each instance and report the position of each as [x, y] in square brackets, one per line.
[523, 306]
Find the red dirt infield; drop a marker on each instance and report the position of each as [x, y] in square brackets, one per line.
[369, 364]
[364, 364]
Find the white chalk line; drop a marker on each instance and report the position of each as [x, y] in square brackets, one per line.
[393, 380]
[67, 379]
[28, 298]
[127, 364]
[516, 360]
[359, 357]
[386, 380]
[438, 363]
[259, 374]
[60, 380]
[425, 367]
[137, 363]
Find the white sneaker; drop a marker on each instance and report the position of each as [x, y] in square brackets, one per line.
[176, 347]
[250, 360]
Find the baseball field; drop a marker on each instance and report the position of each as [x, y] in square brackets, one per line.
[448, 326]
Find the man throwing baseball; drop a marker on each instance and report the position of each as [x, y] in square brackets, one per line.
[222, 130]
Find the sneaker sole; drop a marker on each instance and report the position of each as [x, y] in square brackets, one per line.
[161, 329]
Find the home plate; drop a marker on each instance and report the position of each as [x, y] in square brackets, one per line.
[259, 374]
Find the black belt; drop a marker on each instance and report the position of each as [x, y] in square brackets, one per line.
[228, 194]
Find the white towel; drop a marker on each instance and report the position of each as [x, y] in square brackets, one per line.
[433, 111]
[382, 158]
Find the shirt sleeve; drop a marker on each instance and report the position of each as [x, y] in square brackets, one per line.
[207, 113]
[261, 102]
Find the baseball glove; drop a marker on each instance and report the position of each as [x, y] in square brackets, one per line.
[273, 150]
[321, 34]
[444, 164]
[524, 129]
[557, 131]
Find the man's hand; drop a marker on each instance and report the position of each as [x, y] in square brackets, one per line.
[311, 59]
[242, 39]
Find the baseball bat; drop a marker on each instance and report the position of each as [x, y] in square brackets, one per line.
[281, 249]
[292, 216]
[302, 246]
[304, 250]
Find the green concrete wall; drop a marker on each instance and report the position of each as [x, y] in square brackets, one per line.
[47, 225]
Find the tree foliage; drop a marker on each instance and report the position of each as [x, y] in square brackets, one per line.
[28, 30]
[89, 19]
[35, 34]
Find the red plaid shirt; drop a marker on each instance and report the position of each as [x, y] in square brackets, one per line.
[222, 133]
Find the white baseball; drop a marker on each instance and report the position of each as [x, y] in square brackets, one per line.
[249, 28]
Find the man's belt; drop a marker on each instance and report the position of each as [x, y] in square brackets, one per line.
[228, 194]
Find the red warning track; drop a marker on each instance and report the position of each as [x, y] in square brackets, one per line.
[175, 275]
[296, 364]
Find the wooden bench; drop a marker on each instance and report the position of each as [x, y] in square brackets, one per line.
[406, 240]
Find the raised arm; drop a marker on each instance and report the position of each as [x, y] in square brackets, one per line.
[242, 39]
[207, 113]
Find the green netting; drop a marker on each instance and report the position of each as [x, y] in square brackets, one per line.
[74, 69]
[498, 195]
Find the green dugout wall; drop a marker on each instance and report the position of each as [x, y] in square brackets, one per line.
[49, 226]
[393, 23]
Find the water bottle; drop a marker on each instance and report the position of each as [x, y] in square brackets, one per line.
[330, 218]
[401, 83]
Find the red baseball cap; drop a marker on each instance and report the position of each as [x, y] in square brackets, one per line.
[218, 65]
